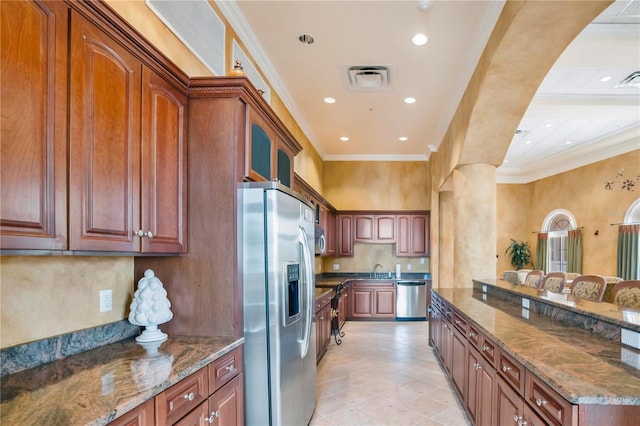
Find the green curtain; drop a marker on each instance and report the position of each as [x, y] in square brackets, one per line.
[541, 251]
[574, 251]
[628, 251]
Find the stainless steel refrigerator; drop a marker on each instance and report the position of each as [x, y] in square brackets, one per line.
[276, 236]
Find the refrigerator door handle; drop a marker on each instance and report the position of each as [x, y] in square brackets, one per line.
[308, 279]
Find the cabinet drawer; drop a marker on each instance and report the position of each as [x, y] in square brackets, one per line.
[182, 397]
[224, 369]
[473, 335]
[488, 350]
[546, 402]
[511, 370]
[198, 416]
[460, 323]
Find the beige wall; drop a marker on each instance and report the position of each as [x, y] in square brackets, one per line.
[353, 185]
[522, 210]
[48, 296]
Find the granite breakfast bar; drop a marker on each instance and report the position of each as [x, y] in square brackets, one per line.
[566, 348]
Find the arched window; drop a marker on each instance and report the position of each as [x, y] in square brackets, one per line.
[629, 244]
[557, 225]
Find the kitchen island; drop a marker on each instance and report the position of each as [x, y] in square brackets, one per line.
[536, 364]
[100, 385]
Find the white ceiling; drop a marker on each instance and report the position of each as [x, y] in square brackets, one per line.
[572, 104]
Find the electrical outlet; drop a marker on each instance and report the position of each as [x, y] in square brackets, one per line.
[106, 300]
[525, 313]
[422, 260]
[630, 357]
[630, 338]
[336, 266]
[408, 267]
[484, 288]
[525, 303]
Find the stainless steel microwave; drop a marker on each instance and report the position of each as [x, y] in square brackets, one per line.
[321, 244]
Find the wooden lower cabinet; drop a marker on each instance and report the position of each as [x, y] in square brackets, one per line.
[212, 395]
[142, 415]
[511, 408]
[372, 300]
[323, 324]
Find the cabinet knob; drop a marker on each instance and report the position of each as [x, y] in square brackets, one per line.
[189, 396]
[519, 420]
[540, 402]
[506, 368]
[472, 334]
[229, 367]
[485, 348]
[149, 234]
[213, 416]
[140, 233]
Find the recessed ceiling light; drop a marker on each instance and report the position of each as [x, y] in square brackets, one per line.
[403, 138]
[548, 125]
[568, 142]
[605, 79]
[505, 161]
[306, 39]
[344, 138]
[409, 100]
[419, 39]
[432, 148]
[330, 100]
[527, 142]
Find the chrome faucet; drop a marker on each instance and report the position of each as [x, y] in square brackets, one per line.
[374, 274]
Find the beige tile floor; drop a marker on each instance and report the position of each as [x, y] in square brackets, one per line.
[384, 373]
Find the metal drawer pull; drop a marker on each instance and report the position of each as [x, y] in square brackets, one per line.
[472, 334]
[506, 368]
[229, 367]
[213, 416]
[140, 233]
[485, 348]
[189, 396]
[540, 402]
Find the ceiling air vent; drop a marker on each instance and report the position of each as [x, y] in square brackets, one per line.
[368, 78]
[632, 79]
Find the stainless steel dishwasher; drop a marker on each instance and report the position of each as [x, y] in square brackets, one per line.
[411, 300]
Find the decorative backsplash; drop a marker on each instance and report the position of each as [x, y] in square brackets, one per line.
[32, 354]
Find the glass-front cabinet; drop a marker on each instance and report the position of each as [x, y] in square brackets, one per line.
[269, 150]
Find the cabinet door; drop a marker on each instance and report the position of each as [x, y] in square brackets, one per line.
[181, 398]
[164, 166]
[447, 338]
[509, 405]
[363, 228]
[330, 234]
[199, 416]
[472, 387]
[33, 147]
[104, 199]
[226, 406]
[403, 224]
[345, 235]
[487, 389]
[284, 168]
[260, 155]
[384, 303]
[458, 362]
[385, 228]
[362, 303]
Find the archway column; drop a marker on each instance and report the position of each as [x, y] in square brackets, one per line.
[474, 220]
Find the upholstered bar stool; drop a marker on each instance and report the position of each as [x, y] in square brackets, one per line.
[627, 294]
[589, 287]
[554, 282]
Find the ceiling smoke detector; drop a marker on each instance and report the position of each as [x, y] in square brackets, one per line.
[368, 78]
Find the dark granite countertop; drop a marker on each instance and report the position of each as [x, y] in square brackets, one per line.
[331, 280]
[582, 367]
[97, 386]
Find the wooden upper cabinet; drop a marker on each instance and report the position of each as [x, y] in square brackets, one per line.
[260, 154]
[163, 159]
[412, 235]
[268, 155]
[375, 228]
[105, 142]
[128, 175]
[344, 235]
[33, 157]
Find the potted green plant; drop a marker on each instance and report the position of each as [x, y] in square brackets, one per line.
[520, 253]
